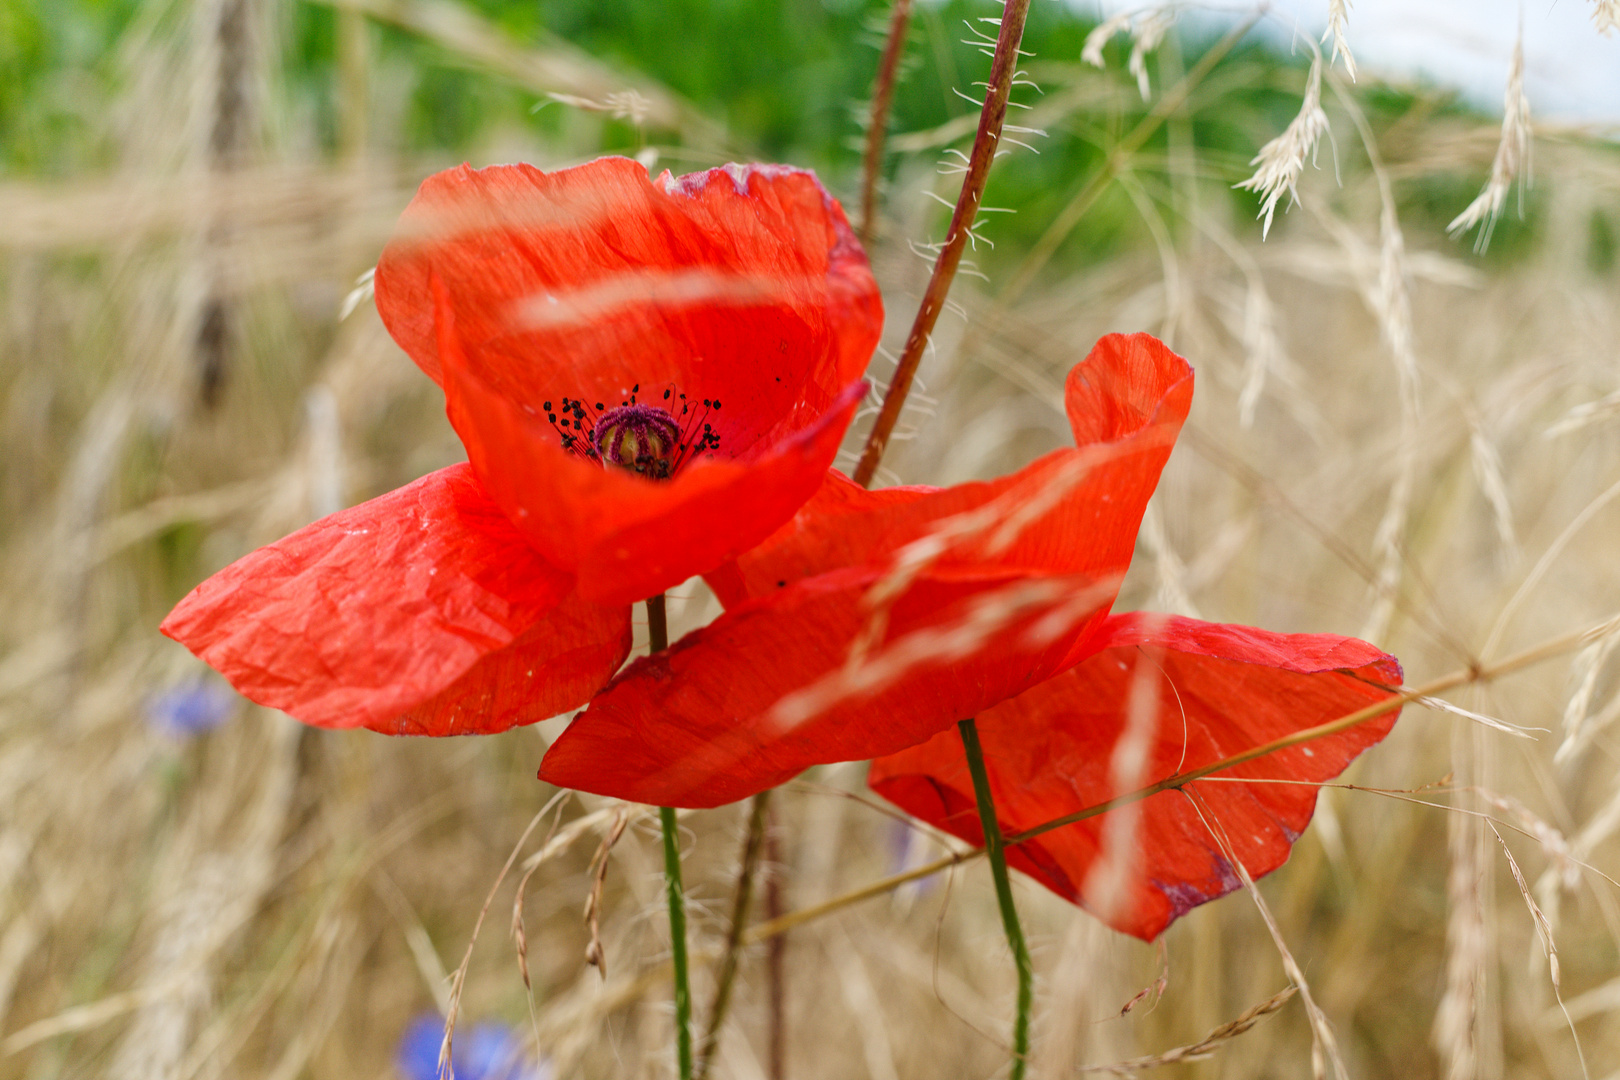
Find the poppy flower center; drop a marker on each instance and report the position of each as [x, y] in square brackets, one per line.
[641, 438]
[649, 440]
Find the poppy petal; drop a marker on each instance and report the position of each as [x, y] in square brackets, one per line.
[1220, 690]
[376, 610]
[1126, 401]
[742, 284]
[553, 666]
[763, 692]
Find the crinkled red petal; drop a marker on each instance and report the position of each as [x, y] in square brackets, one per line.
[1126, 401]
[761, 694]
[385, 608]
[1218, 690]
[742, 284]
[553, 666]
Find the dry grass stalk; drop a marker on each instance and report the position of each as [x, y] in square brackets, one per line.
[1324, 1044]
[1544, 934]
[594, 954]
[1492, 722]
[1208, 1045]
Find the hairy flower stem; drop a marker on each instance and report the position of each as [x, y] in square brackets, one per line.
[741, 899]
[658, 640]
[995, 849]
[877, 128]
[1002, 67]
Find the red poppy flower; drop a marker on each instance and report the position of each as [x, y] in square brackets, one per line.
[719, 322]
[959, 599]
[1211, 691]
[649, 377]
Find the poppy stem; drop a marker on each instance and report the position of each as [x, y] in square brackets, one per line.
[995, 849]
[877, 128]
[677, 939]
[658, 640]
[986, 144]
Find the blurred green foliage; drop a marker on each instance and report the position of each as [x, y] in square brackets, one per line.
[789, 78]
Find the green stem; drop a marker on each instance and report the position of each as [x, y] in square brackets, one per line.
[658, 639]
[995, 848]
[677, 939]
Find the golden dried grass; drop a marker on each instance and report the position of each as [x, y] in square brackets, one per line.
[276, 901]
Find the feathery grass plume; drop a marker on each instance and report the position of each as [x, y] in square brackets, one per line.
[1606, 16]
[1338, 18]
[1488, 472]
[1092, 51]
[1588, 665]
[1512, 157]
[1282, 159]
[1146, 36]
[1263, 349]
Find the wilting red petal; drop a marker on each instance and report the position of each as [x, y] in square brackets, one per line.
[366, 615]
[1126, 401]
[699, 725]
[1220, 690]
[743, 284]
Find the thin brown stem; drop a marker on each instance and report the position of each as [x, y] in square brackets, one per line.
[985, 145]
[1558, 646]
[877, 128]
[776, 956]
[741, 899]
[657, 624]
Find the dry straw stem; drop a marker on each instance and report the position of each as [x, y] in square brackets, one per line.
[986, 145]
[1464, 677]
[1324, 1045]
[1205, 1047]
[459, 980]
[741, 901]
[1512, 156]
[877, 125]
[1544, 932]
[557, 68]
